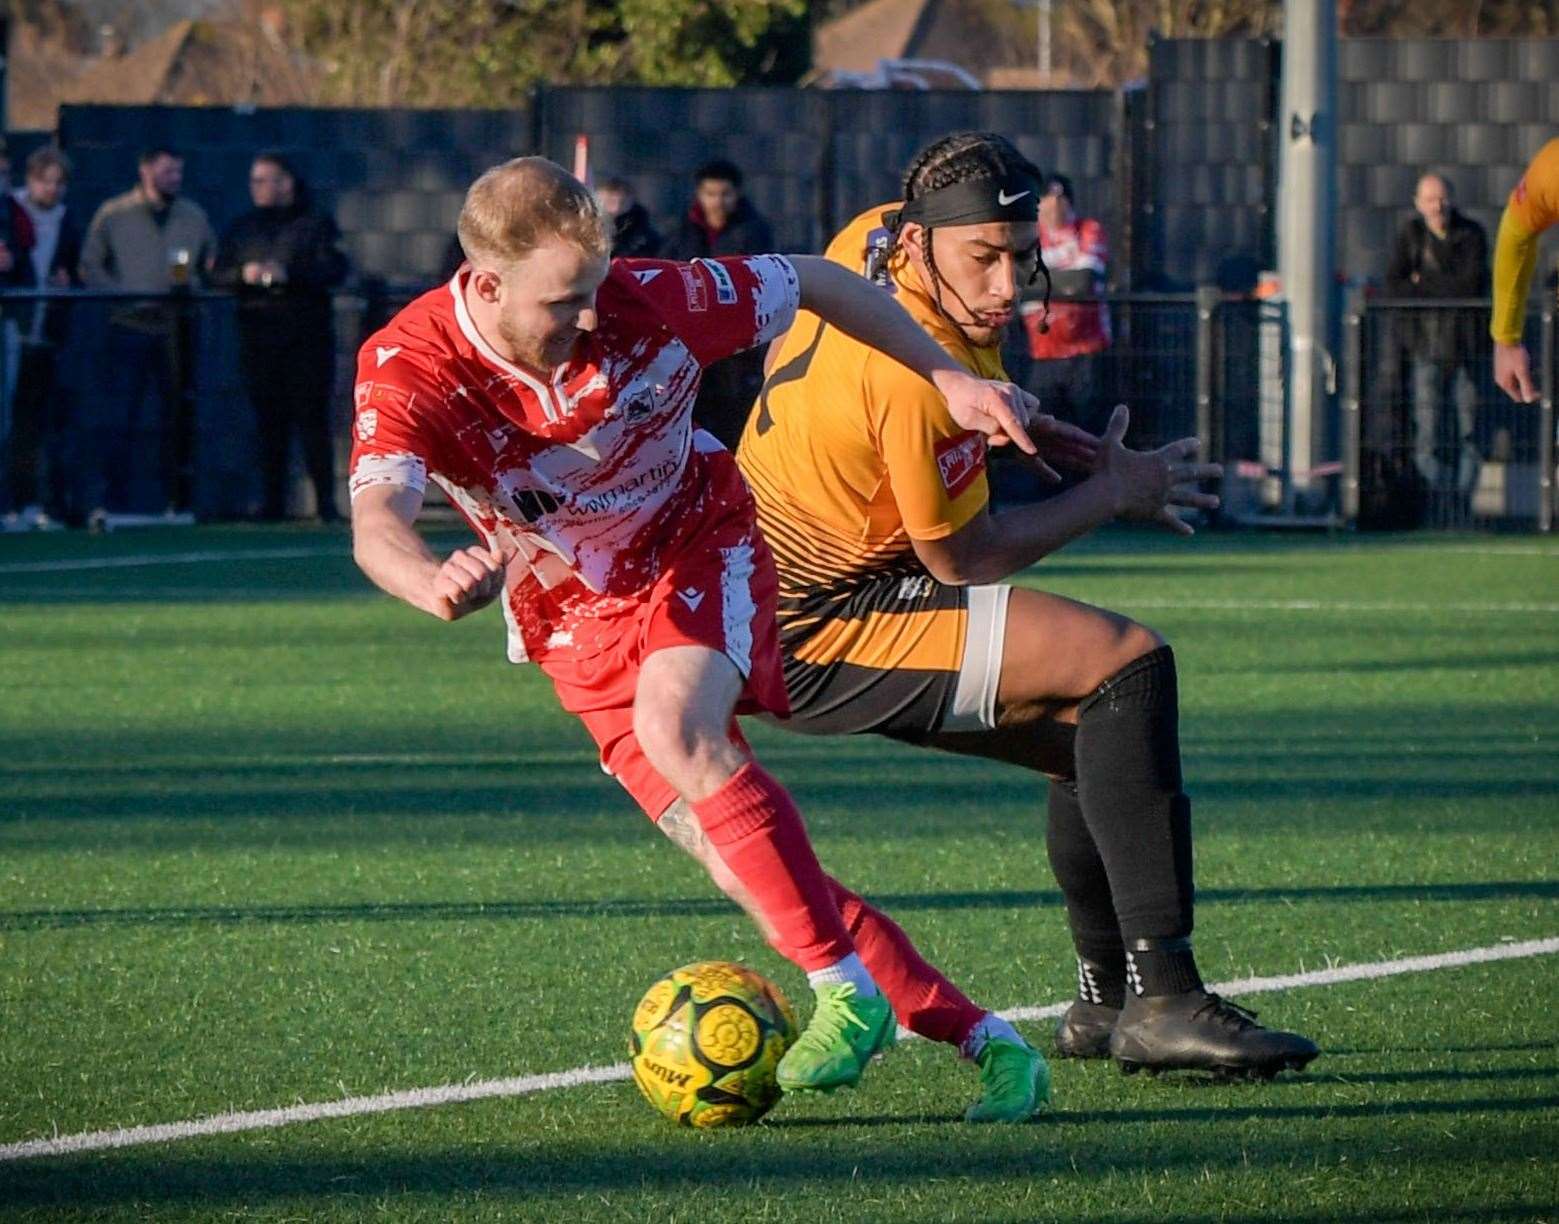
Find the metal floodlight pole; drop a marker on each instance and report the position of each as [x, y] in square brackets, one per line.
[1306, 204]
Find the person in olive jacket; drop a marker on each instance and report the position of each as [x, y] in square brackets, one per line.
[283, 258]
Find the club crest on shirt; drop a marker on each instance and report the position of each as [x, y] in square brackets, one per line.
[959, 460]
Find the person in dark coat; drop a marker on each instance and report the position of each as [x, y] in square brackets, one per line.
[722, 221]
[1441, 253]
[633, 234]
[283, 258]
[35, 477]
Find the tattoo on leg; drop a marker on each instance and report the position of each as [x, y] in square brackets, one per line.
[680, 824]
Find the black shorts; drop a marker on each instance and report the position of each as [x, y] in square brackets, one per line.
[893, 652]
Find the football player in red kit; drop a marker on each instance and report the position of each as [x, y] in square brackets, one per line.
[548, 393]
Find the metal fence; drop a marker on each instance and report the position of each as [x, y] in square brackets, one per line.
[141, 405]
[1434, 442]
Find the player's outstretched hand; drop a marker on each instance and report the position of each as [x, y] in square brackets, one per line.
[996, 409]
[1147, 485]
[1513, 372]
[469, 580]
[1060, 443]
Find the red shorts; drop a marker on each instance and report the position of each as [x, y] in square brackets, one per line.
[719, 591]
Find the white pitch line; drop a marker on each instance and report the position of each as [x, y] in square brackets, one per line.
[184, 558]
[1347, 973]
[1325, 605]
[525, 1085]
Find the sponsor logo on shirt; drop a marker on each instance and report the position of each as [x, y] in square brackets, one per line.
[367, 422]
[960, 459]
[361, 392]
[697, 295]
[725, 287]
[627, 495]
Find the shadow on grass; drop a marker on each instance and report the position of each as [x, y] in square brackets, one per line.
[786, 1162]
[683, 907]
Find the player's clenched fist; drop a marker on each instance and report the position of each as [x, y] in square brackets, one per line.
[469, 580]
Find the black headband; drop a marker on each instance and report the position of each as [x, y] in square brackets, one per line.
[973, 201]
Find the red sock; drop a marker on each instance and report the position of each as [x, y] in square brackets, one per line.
[757, 832]
[924, 1001]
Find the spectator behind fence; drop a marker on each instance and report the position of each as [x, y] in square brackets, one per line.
[283, 258]
[1063, 349]
[1441, 253]
[16, 241]
[16, 233]
[633, 236]
[721, 221]
[34, 463]
[151, 241]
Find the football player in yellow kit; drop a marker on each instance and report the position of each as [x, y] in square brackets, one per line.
[1532, 208]
[896, 619]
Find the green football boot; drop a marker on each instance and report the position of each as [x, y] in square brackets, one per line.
[846, 1030]
[1014, 1082]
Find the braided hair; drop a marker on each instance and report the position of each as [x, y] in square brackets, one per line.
[958, 158]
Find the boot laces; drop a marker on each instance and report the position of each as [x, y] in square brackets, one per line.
[833, 1015]
[1230, 1015]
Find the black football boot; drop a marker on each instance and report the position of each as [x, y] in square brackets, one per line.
[1199, 1031]
[1084, 1030]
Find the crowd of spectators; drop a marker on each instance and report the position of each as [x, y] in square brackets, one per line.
[282, 260]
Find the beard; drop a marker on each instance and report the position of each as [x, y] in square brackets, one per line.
[540, 354]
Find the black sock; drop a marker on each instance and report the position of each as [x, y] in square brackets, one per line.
[1129, 784]
[1090, 911]
[1161, 967]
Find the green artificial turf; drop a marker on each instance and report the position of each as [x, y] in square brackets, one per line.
[267, 837]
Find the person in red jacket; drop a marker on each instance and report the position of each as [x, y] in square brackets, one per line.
[1064, 346]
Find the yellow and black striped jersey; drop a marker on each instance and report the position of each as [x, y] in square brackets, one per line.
[851, 455]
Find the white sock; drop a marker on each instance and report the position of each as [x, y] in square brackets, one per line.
[991, 1025]
[850, 970]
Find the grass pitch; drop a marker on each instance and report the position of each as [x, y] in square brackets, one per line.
[268, 838]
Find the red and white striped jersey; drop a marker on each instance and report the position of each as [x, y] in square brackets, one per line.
[588, 472]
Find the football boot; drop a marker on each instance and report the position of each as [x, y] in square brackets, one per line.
[1084, 1030]
[1014, 1082]
[846, 1029]
[1199, 1031]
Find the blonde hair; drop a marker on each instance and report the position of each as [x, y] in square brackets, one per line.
[514, 207]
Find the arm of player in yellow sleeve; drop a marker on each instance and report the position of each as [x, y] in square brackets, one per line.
[1515, 259]
[936, 468]
[1533, 207]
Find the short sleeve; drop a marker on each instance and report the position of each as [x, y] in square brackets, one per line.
[392, 443]
[1535, 199]
[935, 467]
[718, 307]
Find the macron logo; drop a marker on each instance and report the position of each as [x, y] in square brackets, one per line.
[382, 354]
[1004, 199]
[692, 597]
[645, 275]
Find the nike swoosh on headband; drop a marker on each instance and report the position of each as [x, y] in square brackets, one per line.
[1004, 199]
